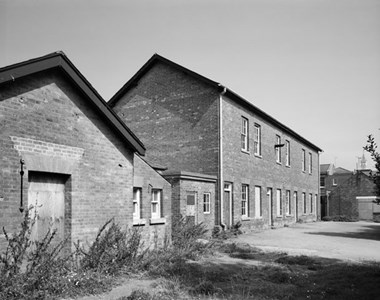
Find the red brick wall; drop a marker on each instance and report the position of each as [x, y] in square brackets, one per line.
[43, 117]
[245, 168]
[175, 116]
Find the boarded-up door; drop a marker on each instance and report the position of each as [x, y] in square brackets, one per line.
[47, 194]
[191, 207]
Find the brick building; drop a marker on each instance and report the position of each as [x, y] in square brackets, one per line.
[266, 174]
[347, 193]
[78, 157]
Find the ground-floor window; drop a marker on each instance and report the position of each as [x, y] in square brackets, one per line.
[244, 200]
[258, 202]
[279, 202]
[304, 202]
[311, 202]
[136, 203]
[206, 203]
[156, 203]
[288, 203]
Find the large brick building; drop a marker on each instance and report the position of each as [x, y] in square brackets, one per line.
[80, 161]
[266, 174]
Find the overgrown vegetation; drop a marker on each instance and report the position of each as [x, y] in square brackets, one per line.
[339, 218]
[191, 267]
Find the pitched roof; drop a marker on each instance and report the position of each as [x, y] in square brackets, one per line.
[324, 168]
[60, 61]
[340, 170]
[229, 93]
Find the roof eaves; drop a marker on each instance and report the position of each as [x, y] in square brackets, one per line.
[60, 60]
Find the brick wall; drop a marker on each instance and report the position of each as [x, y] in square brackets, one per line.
[147, 179]
[342, 199]
[184, 183]
[240, 167]
[51, 125]
[175, 116]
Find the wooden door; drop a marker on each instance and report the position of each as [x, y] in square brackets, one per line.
[47, 195]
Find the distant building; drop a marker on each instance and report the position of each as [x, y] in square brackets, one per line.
[264, 174]
[348, 193]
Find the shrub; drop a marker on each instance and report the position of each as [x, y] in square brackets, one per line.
[113, 250]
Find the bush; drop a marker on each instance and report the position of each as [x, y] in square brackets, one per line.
[339, 218]
[113, 250]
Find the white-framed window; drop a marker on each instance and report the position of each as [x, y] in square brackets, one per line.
[244, 200]
[287, 153]
[304, 202]
[206, 203]
[322, 181]
[288, 203]
[257, 140]
[244, 134]
[303, 160]
[258, 202]
[335, 182]
[310, 163]
[278, 149]
[137, 203]
[311, 202]
[295, 199]
[279, 202]
[156, 203]
[314, 203]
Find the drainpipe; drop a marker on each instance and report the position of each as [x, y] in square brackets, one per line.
[221, 181]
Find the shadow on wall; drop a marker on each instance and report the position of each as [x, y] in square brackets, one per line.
[372, 232]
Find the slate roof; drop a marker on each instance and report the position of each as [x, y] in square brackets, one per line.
[58, 60]
[229, 93]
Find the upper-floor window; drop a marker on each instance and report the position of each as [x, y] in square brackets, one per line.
[322, 181]
[257, 140]
[278, 149]
[156, 204]
[206, 203]
[287, 152]
[244, 200]
[303, 160]
[244, 134]
[136, 203]
[310, 163]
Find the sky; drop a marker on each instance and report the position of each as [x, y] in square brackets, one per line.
[314, 65]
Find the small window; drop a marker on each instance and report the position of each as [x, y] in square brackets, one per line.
[322, 181]
[335, 182]
[257, 140]
[258, 202]
[287, 153]
[288, 203]
[304, 202]
[278, 149]
[136, 203]
[206, 203]
[156, 204]
[303, 160]
[244, 200]
[244, 134]
[279, 202]
[310, 163]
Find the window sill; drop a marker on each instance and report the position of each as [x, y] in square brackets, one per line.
[279, 163]
[206, 212]
[288, 166]
[245, 151]
[279, 217]
[157, 221]
[243, 218]
[258, 155]
[139, 222]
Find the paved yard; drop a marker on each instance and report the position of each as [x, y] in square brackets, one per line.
[342, 240]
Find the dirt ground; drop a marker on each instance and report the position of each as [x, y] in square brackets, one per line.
[355, 241]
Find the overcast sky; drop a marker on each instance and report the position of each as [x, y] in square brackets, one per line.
[314, 65]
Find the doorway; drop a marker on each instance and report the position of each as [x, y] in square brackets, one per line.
[46, 194]
[227, 204]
